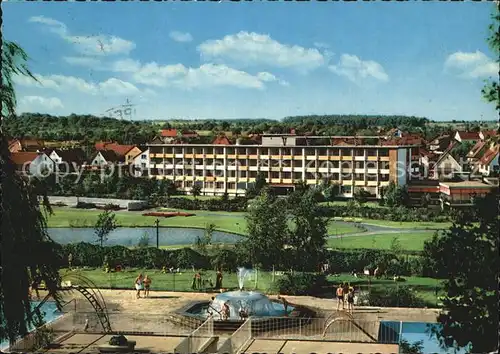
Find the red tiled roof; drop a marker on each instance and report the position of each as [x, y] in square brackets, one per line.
[120, 150]
[488, 133]
[221, 140]
[476, 149]
[101, 145]
[169, 133]
[489, 155]
[468, 135]
[20, 158]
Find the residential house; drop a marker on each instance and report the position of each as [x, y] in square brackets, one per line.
[477, 151]
[463, 136]
[488, 164]
[68, 160]
[141, 164]
[32, 163]
[441, 166]
[486, 134]
[221, 140]
[128, 152]
[31, 145]
[106, 158]
[170, 136]
[439, 144]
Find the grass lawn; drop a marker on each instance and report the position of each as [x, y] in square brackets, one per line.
[224, 221]
[408, 224]
[408, 241]
[170, 281]
[424, 287]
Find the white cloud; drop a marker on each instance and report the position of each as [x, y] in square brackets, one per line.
[471, 65]
[33, 102]
[355, 69]
[83, 61]
[111, 87]
[180, 76]
[181, 36]
[88, 44]
[253, 49]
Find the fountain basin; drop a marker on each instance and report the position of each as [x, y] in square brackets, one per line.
[268, 313]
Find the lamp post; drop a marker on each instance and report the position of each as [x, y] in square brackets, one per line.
[157, 223]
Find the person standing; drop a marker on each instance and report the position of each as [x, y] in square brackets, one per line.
[147, 285]
[218, 279]
[139, 285]
[340, 297]
[350, 300]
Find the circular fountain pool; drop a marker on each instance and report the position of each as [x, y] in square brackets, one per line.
[255, 304]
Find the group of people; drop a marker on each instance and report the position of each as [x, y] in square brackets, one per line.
[142, 283]
[199, 283]
[345, 293]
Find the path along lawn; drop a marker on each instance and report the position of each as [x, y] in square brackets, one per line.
[426, 288]
[408, 241]
[224, 221]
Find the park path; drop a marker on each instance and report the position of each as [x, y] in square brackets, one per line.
[374, 229]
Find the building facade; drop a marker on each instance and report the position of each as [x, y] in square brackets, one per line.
[220, 169]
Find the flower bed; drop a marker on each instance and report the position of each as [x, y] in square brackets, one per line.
[167, 214]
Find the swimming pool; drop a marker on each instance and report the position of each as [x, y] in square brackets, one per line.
[412, 332]
[49, 312]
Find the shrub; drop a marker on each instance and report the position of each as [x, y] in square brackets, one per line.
[84, 205]
[400, 296]
[222, 204]
[301, 284]
[224, 258]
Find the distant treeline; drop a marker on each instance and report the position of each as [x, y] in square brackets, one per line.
[91, 128]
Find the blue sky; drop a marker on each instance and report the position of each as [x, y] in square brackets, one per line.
[248, 60]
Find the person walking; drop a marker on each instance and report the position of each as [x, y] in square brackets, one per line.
[139, 284]
[340, 297]
[147, 285]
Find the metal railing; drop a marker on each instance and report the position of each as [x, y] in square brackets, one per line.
[129, 323]
[198, 340]
[41, 336]
[337, 328]
[241, 337]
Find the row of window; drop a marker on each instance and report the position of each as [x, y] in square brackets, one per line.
[233, 186]
[269, 151]
[275, 175]
[279, 163]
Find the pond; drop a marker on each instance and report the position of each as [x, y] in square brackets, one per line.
[130, 236]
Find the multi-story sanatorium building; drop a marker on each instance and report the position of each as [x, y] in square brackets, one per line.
[284, 160]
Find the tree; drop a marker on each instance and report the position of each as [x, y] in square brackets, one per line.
[491, 90]
[106, 222]
[26, 251]
[466, 256]
[267, 231]
[196, 190]
[395, 196]
[331, 192]
[256, 188]
[308, 230]
[361, 196]
[414, 348]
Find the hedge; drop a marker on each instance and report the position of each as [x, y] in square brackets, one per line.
[222, 204]
[390, 214]
[86, 254]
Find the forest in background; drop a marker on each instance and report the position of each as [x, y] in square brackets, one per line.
[91, 128]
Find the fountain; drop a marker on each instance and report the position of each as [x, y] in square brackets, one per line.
[253, 303]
